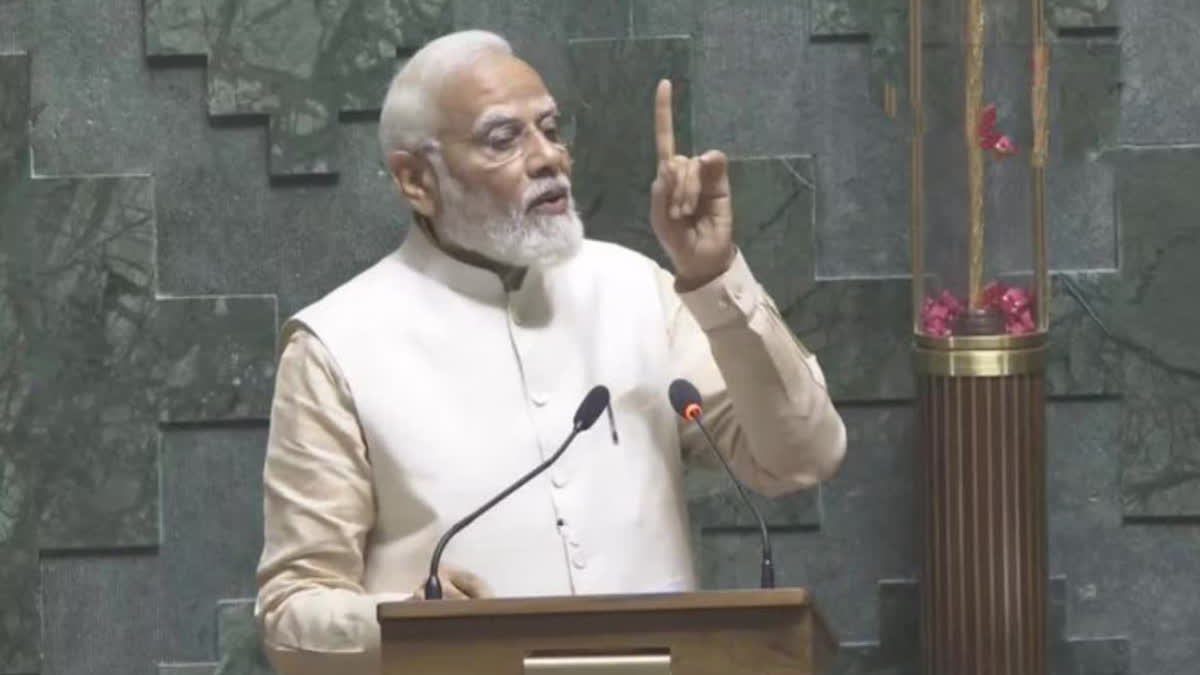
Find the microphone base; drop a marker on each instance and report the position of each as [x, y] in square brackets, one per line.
[768, 573]
[433, 588]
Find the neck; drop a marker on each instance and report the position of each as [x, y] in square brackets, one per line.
[510, 276]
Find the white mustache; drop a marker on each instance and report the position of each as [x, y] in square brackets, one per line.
[544, 186]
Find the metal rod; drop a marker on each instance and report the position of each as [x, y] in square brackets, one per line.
[916, 159]
[974, 43]
[1037, 159]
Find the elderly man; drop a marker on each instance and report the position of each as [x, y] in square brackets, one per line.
[422, 387]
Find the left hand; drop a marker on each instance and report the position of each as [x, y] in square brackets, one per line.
[690, 207]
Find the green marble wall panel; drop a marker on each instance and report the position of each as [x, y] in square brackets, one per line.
[212, 530]
[1085, 100]
[883, 24]
[1159, 52]
[301, 64]
[187, 669]
[217, 357]
[1082, 217]
[76, 291]
[668, 17]
[1081, 361]
[740, 45]
[221, 228]
[20, 585]
[1067, 15]
[88, 370]
[1125, 332]
[714, 504]
[629, 18]
[600, 18]
[1150, 318]
[238, 640]
[897, 651]
[612, 180]
[1123, 579]
[101, 614]
[14, 25]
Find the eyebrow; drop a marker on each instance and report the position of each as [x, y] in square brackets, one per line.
[491, 119]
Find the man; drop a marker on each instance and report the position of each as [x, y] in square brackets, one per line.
[422, 387]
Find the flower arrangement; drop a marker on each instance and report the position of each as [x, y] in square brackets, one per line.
[940, 315]
[1000, 145]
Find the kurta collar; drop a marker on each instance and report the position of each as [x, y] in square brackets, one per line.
[423, 255]
[531, 301]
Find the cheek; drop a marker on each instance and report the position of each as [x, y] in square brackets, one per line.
[506, 183]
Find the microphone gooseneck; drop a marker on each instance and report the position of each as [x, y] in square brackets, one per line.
[685, 400]
[586, 414]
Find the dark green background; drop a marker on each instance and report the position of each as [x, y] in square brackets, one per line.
[177, 177]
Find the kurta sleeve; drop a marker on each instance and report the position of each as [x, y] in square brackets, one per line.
[765, 396]
[318, 507]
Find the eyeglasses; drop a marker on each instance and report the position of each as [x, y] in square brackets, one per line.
[506, 139]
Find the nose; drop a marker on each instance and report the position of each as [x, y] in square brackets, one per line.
[545, 157]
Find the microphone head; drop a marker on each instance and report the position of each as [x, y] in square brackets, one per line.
[685, 399]
[593, 404]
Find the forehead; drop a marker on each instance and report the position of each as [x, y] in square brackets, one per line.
[493, 84]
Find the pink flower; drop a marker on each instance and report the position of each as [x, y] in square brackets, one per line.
[992, 293]
[987, 127]
[1014, 300]
[1004, 147]
[939, 314]
[937, 328]
[951, 302]
[990, 137]
[1020, 323]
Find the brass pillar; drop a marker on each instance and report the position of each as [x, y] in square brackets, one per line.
[982, 447]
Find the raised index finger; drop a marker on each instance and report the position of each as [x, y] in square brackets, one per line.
[664, 126]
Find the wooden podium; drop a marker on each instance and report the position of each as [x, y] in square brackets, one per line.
[750, 632]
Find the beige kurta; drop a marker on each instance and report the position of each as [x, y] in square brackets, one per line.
[420, 388]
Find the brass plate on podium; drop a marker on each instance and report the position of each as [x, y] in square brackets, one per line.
[641, 664]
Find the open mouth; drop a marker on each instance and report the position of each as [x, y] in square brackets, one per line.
[553, 200]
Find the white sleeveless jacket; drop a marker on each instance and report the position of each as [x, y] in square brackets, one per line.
[460, 388]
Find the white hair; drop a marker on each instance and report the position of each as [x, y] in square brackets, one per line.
[409, 117]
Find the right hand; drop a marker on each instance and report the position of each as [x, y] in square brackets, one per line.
[457, 585]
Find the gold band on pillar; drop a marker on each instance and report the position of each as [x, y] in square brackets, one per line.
[982, 356]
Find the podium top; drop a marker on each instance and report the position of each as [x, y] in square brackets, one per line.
[778, 598]
[728, 632]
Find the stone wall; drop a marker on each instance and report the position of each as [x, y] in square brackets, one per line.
[177, 176]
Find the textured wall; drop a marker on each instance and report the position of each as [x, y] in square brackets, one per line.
[178, 175]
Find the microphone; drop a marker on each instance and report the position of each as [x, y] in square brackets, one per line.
[685, 399]
[586, 414]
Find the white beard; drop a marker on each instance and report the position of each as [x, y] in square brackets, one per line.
[512, 236]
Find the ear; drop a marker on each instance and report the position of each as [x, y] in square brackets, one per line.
[414, 177]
